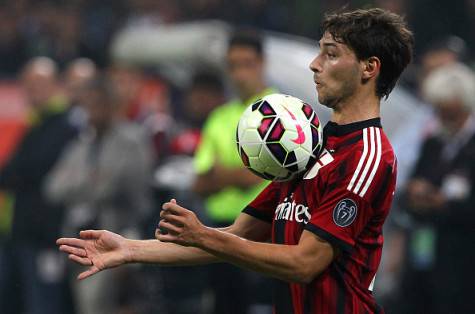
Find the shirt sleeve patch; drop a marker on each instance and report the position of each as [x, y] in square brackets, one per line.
[344, 213]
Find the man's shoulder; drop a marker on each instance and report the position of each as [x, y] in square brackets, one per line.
[224, 116]
[357, 163]
[230, 107]
[371, 144]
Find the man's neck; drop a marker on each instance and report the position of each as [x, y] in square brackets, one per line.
[358, 107]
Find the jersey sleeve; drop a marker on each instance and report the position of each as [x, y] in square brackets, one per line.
[264, 205]
[347, 204]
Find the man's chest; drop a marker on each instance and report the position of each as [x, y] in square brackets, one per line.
[299, 200]
[292, 213]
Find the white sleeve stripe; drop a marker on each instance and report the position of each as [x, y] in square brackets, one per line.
[376, 163]
[360, 163]
[369, 161]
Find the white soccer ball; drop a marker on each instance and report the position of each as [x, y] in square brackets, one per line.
[279, 137]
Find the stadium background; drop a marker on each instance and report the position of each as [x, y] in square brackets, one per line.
[155, 96]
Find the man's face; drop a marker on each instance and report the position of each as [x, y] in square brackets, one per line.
[201, 101]
[98, 109]
[39, 87]
[245, 68]
[451, 114]
[337, 72]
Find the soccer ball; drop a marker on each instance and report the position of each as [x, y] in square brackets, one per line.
[278, 137]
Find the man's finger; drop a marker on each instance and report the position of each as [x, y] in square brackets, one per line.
[167, 237]
[173, 207]
[73, 250]
[91, 271]
[170, 227]
[173, 201]
[174, 219]
[71, 242]
[80, 260]
[90, 234]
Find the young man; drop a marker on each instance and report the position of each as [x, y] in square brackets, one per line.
[327, 245]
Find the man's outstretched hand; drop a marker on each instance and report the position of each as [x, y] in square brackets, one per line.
[99, 249]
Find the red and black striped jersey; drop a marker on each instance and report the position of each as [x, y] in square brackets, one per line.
[344, 199]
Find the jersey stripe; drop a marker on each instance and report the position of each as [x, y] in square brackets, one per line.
[360, 163]
[368, 163]
[376, 163]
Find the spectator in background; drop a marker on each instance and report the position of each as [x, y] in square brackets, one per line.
[205, 93]
[30, 255]
[185, 287]
[77, 73]
[144, 99]
[222, 179]
[103, 179]
[440, 200]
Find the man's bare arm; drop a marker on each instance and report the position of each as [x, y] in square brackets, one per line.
[102, 249]
[295, 263]
[153, 251]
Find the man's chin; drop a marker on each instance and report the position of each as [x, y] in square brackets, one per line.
[325, 102]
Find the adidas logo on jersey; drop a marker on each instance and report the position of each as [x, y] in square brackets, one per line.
[292, 211]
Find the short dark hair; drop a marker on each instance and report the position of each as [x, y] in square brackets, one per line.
[374, 32]
[207, 80]
[248, 38]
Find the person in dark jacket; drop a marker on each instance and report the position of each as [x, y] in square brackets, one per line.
[29, 256]
[441, 200]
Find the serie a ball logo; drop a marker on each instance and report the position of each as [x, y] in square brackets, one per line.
[279, 137]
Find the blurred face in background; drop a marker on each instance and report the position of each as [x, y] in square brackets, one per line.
[452, 114]
[39, 82]
[127, 81]
[336, 72]
[201, 101]
[246, 70]
[78, 73]
[99, 108]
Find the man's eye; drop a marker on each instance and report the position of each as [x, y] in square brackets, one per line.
[331, 55]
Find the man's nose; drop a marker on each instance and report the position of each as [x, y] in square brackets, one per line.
[315, 65]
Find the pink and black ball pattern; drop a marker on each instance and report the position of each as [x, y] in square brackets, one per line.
[271, 131]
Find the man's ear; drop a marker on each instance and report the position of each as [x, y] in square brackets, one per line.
[371, 68]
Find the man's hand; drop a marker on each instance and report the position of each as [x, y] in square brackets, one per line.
[99, 249]
[182, 225]
[423, 196]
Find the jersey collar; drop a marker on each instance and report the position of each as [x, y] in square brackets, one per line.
[334, 129]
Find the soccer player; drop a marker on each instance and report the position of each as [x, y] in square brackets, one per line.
[326, 228]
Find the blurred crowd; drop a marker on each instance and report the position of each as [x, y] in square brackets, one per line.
[65, 30]
[87, 142]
